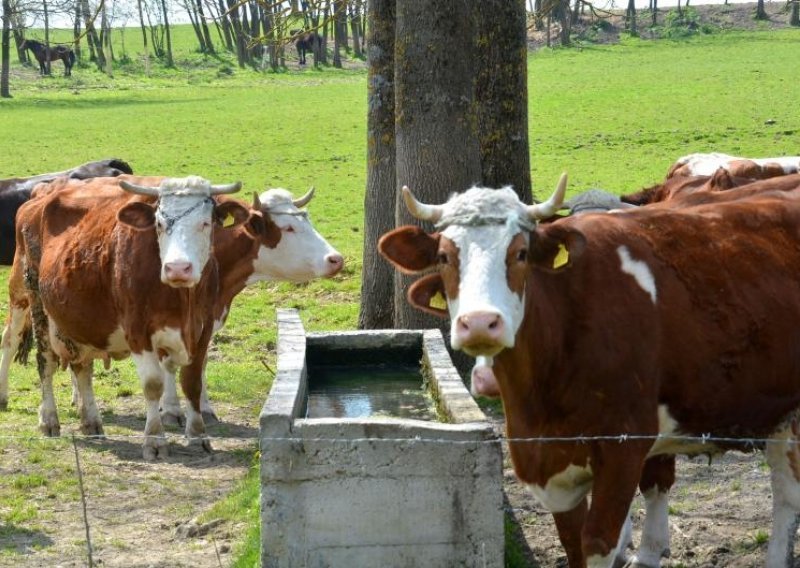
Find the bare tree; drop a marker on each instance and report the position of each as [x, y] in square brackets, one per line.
[377, 276]
[5, 46]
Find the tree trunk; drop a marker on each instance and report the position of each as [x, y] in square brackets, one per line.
[47, 69]
[761, 13]
[5, 46]
[794, 19]
[338, 10]
[204, 27]
[655, 12]
[144, 28]
[501, 93]
[355, 25]
[377, 275]
[105, 42]
[95, 49]
[238, 32]
[630, 16]
[437, 143]
[76, 31]
[170, 62]
[226, 27]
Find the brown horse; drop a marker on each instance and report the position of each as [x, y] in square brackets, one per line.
[41, 52]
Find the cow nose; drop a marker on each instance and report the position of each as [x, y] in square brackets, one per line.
[334, 262]
[477, 329]
[178, 271]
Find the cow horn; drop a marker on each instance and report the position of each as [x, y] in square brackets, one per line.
[228, 188]
[139, 189]
[549, 207]
[301, 202]
[256, 201]
[421, 210]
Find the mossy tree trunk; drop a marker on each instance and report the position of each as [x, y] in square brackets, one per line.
[435, 116]
[501, 93]
[5, 46]
[377, 276]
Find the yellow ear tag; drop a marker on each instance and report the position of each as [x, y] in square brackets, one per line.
[228, 221]
[562, 257]
[438, 302]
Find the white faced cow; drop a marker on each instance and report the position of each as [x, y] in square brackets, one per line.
[669, 322]
[107, 275]
[278, 243]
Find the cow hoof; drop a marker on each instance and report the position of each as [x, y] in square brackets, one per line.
[92, 428]
[50, 426]
[169, 418]
[155, 448]
[209, 417]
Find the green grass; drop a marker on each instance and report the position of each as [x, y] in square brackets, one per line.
[612, 116]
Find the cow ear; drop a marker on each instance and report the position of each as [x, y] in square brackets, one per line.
[409, 249]
[231, 214]
[555, 248]
[261, 226]
[137, 215]
[427, 294]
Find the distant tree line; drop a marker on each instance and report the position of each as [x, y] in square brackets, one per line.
[256, 31]
[565, 13]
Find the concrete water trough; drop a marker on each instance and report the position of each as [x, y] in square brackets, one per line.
[373, 453]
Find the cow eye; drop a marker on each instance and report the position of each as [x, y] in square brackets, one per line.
[522, 255]
[443, 258]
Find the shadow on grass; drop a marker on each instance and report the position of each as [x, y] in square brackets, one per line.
[518, 552]
[22, 541]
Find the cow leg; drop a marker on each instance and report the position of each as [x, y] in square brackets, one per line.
[784, 461]
[48, 412]
[12, 338]
[76, 399]
[151, 376]
[192, 385]
[209, 416]
[171, 413]
[91, 423]
[569, 525]
[617, 470]
[658, 476]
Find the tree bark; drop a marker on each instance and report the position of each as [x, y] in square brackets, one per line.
[46, 37]
[630, 17]
[377, 275]
[355, 26]
[435, 124]
[338, 11]
[794, 19]
[501, 92]
[5, 46]
[226, 27]
[76, 31]
[761, 13]
[170, 61]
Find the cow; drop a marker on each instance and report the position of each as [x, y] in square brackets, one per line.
[754, 168]
[16, 191]
[666, 324]
[250, 254]
[107, 274]
[276, 243]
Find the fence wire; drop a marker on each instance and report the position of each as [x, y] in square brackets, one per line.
[106, 506]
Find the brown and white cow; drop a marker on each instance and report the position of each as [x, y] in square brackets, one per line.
[295, 252]
[110, 275]
[754, 168]
[665, 322]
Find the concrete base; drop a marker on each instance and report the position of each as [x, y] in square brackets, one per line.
[377, 491]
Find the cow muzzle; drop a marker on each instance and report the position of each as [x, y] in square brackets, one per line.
[334, 262]
[179, 274]
[479, 333]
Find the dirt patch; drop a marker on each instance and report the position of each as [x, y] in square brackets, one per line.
[140, 514]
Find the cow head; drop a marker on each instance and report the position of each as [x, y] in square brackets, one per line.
[481, 254]
[302, 253]
[183, 218]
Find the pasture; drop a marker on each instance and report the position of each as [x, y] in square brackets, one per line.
[612, 116]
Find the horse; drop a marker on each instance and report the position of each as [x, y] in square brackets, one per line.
[40, 51]
[306, 41]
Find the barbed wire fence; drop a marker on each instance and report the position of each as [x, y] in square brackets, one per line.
[118, 495]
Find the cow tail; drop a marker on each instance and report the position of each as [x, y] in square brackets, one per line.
[71, 58]
[26, 344]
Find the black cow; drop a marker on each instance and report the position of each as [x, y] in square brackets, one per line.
[16, 191]
[307, 41]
